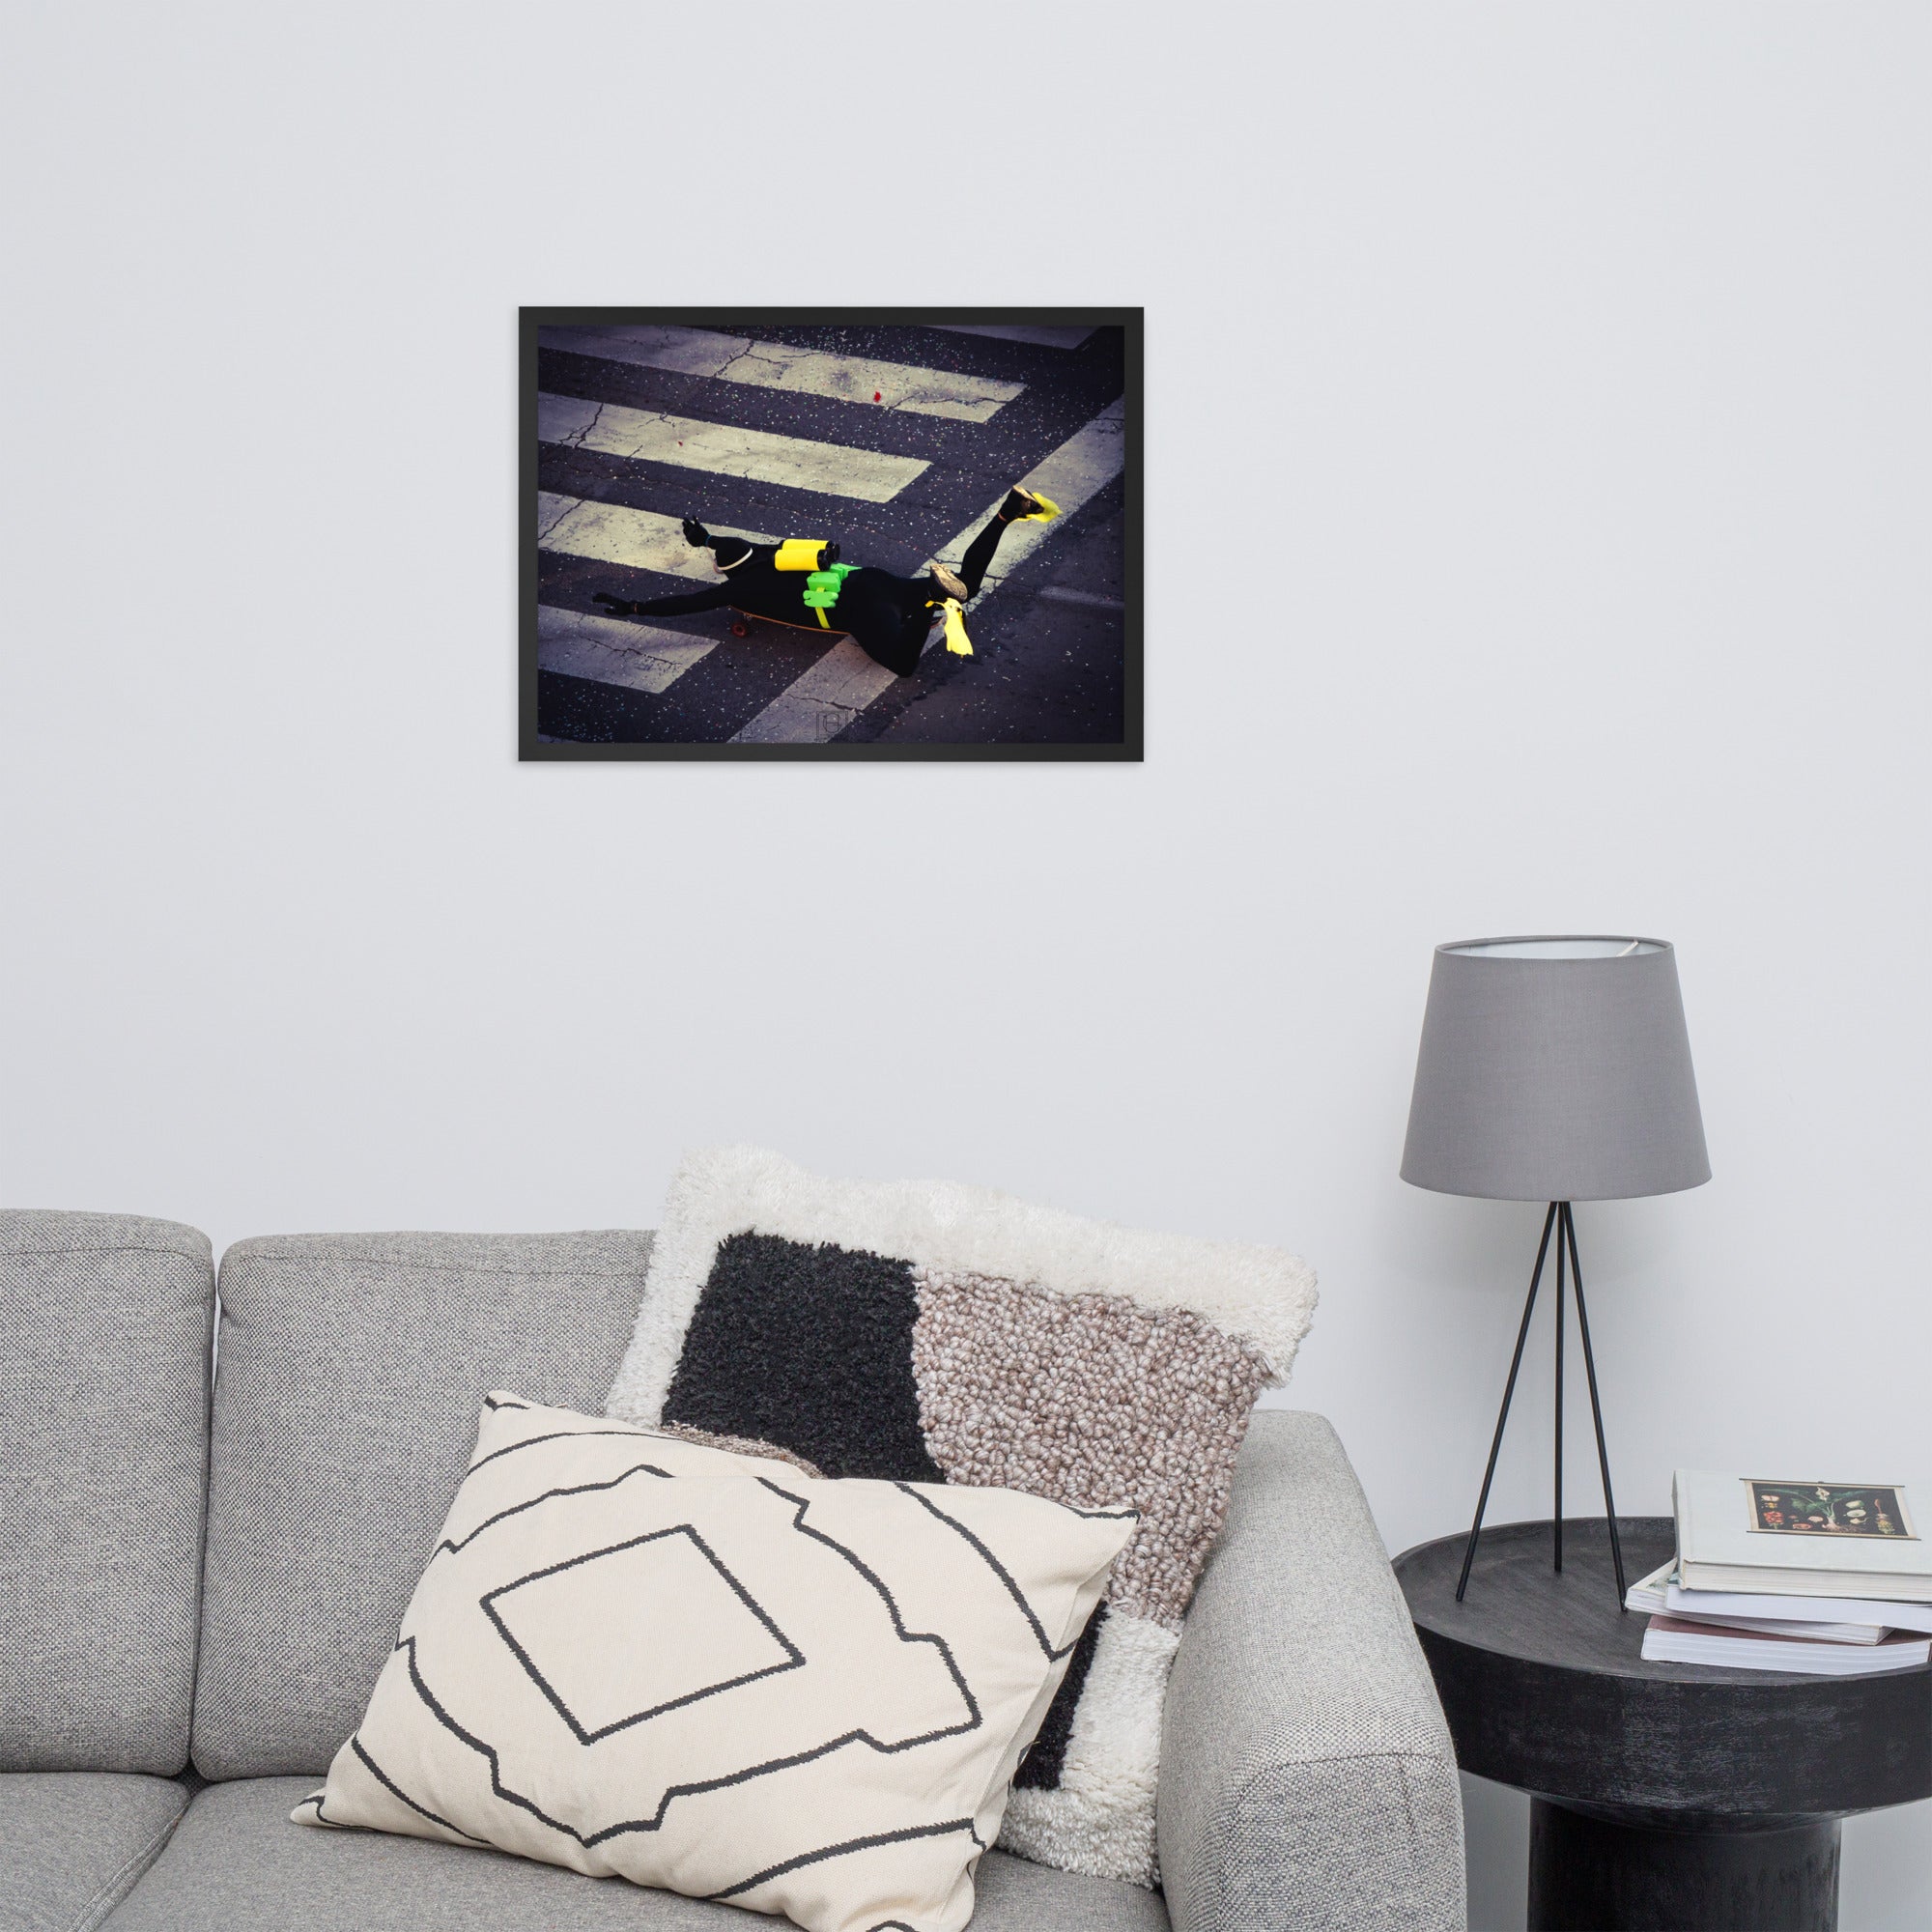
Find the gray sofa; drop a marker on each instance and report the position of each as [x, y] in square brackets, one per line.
[200, 1575]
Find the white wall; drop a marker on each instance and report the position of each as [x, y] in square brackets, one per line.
[1538, 479]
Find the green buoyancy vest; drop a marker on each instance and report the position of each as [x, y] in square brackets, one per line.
[822, 588]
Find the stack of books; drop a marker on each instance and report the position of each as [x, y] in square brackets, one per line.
[1827, 1578]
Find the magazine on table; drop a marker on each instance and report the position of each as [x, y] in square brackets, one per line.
[1658, 1595]
[1678, 1640]
[1850, 1619]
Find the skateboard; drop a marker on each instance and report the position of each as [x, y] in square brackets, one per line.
[743, 620]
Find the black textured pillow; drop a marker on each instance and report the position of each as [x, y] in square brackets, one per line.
[930, 1332]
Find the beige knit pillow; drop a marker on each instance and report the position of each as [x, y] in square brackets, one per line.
[636, 1654]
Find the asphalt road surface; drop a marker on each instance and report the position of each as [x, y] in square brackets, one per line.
[897, 442]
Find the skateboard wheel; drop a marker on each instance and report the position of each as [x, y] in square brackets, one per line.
[740, 630]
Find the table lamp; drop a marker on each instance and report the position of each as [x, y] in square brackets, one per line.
[1555, 1070]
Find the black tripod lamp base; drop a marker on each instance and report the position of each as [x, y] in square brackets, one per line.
[1561, 1223]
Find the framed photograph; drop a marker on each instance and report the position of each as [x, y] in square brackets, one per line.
[830, 534]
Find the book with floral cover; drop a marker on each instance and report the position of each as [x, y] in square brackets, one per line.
[1804, 1537]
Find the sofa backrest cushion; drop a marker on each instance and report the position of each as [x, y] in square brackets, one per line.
[351, 1370]
[104, 1333]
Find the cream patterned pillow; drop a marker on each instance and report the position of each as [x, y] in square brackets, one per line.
[636, 1655]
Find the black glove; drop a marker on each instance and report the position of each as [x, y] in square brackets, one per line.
[695, 534]
[620, 607]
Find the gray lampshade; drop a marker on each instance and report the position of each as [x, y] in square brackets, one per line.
[1555, 1070]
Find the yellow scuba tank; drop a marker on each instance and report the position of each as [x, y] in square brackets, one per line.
[806, 554]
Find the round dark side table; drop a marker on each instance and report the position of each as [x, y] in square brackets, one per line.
[1670, 1797]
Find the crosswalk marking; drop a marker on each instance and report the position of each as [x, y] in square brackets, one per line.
[821, 701]
[1007, 331]
[1080, 467]
[615, 533]
[832, 469]
[616, 650]
[818, 704]
[777, 365]
[1054, 594]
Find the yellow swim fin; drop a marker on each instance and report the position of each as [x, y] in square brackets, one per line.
[957, 639]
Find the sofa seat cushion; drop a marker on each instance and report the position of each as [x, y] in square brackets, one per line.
[103, 1411]
[71, 1842]
[236, 1865]
[345, 1407]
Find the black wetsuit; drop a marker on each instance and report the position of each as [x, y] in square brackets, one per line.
[889, 617]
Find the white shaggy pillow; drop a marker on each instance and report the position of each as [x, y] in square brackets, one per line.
[639, 1656]
[927, 1332]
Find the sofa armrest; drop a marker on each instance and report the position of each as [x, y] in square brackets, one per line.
[1307, 1780]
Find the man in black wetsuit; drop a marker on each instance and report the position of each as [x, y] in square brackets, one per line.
[888, 616]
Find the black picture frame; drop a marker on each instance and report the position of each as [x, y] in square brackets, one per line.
[533, 748]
